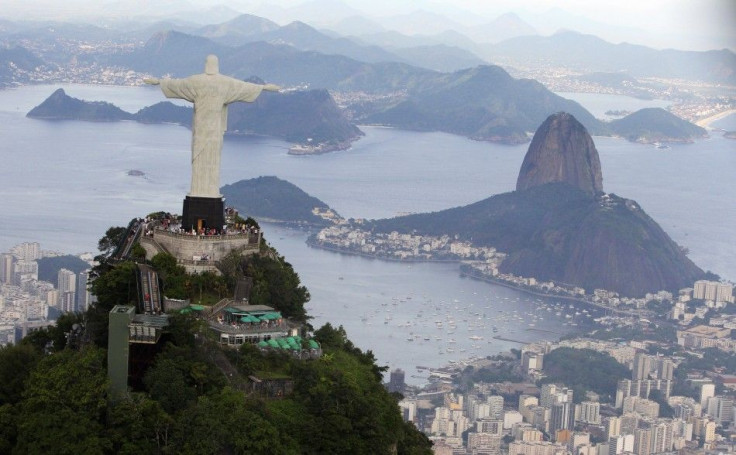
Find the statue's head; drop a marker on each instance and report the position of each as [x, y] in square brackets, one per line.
[211, 65]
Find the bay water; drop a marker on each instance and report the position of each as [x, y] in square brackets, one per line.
[65, 182]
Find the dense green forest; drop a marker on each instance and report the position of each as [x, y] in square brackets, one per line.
[195, 397]
[584, 370]
[48, 267]
[271, 198]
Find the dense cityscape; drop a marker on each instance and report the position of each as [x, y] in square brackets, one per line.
[545, 418]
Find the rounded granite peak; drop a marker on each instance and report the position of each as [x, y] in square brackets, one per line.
[561, 151]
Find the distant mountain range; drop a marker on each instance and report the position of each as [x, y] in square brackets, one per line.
[589, 53]
[483, 103]
[307, 117]
[507, 39]
[15, 64]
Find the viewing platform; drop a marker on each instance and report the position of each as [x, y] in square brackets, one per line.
[199, 253]
[238, 323]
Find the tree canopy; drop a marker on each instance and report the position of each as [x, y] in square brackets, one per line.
[584, 370]
[195, 395]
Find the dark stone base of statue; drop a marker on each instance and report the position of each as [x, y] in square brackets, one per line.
[203, 213]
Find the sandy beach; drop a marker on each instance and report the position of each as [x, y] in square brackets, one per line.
[708, 120]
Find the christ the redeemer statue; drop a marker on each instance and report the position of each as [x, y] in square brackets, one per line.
[211, 93]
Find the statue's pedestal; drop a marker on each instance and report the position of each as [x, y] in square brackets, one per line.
[203, 213]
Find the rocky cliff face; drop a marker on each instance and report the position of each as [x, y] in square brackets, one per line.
[561, 151]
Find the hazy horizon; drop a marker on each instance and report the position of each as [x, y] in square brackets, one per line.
[676, 24]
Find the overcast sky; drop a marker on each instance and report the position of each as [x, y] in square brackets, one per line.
[682, 24]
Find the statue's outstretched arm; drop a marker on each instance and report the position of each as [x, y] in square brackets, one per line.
[271, 87]
[151, 81]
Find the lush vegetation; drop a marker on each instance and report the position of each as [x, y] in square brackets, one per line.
[59, 403]
[638, 332]
[271, 198]
[502, 371]
[206, 287]
[195, 396]
[275, 283]
[584, 370]
[48, 267]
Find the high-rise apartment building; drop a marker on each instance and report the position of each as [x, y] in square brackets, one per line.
[67, 281]
[642, 441]
[495, 402]
[24, 271]
[84, 297]
[590, 412]
[27, 251]
[67, 286]
[7, 268]
[396, 382]
[713, 290]
[642, 366]
[562, 417]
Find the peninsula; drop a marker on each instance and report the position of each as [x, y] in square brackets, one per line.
[558, 226]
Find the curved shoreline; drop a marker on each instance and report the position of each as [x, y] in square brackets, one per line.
[316, 244]
[705, 123]
[463, 272]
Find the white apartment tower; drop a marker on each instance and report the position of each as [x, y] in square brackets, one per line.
[590, 412]
[67, 286]
[67, 281]
[713, 290]
[7, 268]
[27, 251]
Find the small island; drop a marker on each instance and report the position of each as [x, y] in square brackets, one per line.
[656, 126]
[271, 199]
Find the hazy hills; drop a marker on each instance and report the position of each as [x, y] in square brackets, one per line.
[590, 53]
[479, 101]
[60, 106]
[15, 64]
[656, 125]
[302, 117]
[483, 103]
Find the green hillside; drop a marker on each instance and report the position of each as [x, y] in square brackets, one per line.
[557, 232]
[271, 198]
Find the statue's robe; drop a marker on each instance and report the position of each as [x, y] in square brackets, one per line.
[210, 93]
